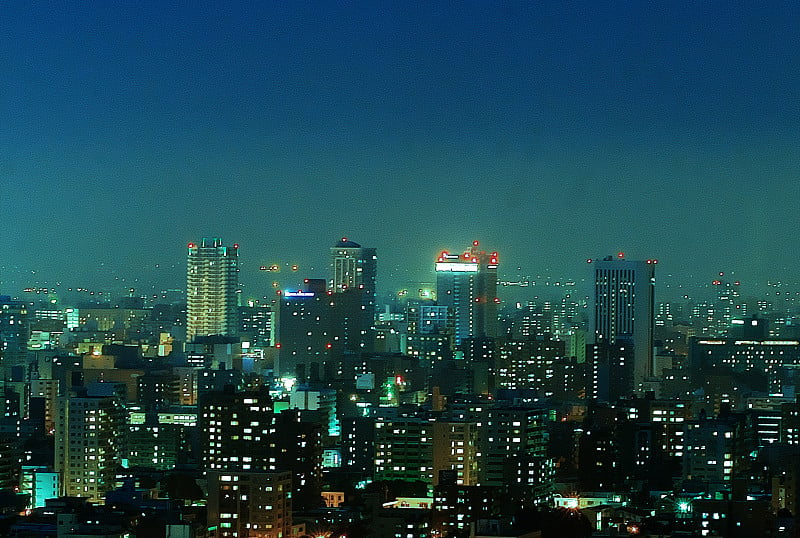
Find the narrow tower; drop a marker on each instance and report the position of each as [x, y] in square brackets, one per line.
[622, 324]
[354, 267]
[211, 281]
[467, 285]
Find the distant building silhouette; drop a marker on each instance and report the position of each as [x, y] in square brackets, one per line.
[354, 267]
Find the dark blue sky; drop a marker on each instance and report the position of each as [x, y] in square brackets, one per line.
[551, 131]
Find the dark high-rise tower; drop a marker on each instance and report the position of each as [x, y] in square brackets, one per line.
[354, 267]
[212, 276]
[623, 318]
[467, 285]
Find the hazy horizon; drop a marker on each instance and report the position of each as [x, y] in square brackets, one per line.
[550, 132]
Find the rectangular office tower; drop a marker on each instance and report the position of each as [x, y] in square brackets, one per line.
[622, 324]
[467, 285]
[212, 276]
[354, 267]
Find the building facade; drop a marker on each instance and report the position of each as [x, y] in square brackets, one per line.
[89, 430]
[467, 285]
[354, 267]
[623, 315]
[212, 276]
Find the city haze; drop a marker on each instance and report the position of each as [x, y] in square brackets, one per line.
[550, 132]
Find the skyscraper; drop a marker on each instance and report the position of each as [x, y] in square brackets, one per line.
[211, 281]
[354, 267]
[467, 285]
[623, 320]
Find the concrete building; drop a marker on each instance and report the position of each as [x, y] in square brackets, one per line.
[89, 430]
[249, 504]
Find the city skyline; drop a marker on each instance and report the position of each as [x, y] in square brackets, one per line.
[259, 280]
[383, 269]
[554, 133]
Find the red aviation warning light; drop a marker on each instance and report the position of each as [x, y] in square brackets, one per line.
[620, 255]
[475, 243]
[589, 260]
[190, 245]
[236, 245]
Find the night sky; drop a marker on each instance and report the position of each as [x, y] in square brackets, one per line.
[550, 131]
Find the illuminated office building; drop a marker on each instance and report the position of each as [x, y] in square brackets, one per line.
[623, 321]
[88, 440]
[211, 282]
[467, 285]
[242, 433]
[430, 332]
[249, 504]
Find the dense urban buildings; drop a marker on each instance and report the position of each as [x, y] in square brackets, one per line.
[329, 410]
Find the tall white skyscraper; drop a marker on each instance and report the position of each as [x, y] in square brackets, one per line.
[211, 282]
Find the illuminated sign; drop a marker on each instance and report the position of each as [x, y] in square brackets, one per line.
[298, 293]
[457, 267]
